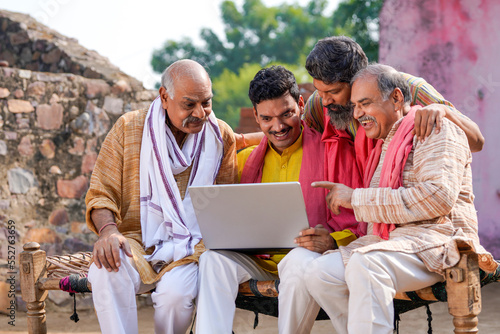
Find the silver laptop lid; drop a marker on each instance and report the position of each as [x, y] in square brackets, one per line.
[250, 216]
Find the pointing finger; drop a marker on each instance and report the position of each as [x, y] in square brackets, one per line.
[323, 184]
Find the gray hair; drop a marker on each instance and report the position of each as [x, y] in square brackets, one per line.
[179, 69]
[167, 81]
[388, 79]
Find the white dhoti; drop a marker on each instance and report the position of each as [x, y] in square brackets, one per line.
[359, 298]
[220, 274]
[297, 308]
[114, 296]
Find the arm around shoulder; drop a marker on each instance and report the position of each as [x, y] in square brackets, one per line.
[435, 107]
[471, 129]
[244, 140]
[228, 172]
[433, 114]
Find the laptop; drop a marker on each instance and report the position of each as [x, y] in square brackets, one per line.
[250, 216]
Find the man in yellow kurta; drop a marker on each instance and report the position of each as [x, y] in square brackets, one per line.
[289, 152]
[139, 205]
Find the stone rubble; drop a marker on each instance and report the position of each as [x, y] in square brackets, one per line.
[58, 101]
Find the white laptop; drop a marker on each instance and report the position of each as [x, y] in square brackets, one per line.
[250, 216]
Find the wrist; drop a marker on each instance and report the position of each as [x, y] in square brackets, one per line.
[447, 110]
[243, 142]
[108, 227]
[333, 244]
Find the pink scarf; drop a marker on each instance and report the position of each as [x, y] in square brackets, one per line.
[345, 160]
[394, 163]
[310, 171]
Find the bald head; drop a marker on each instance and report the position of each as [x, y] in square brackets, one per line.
[186, 69]
[186, 97]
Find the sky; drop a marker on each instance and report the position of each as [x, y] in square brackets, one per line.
[127, 31]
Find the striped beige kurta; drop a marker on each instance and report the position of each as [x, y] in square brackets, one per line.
[432, 211]
[115, 185]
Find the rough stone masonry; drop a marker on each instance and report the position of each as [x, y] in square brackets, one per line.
[58, 100]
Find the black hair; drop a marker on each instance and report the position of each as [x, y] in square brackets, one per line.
[335, 59]
[271, 83]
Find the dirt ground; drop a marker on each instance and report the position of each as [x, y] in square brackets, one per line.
[413, 322]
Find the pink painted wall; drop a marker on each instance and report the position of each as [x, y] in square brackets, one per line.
[455, 46]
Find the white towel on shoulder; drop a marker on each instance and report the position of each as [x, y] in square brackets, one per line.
[169, 223]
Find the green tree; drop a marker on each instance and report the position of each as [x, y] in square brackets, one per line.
[231, 92]
[254, 34]
[359, 19]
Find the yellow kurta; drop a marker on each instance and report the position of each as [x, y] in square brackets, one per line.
[284, 167]
[277, 168]
[115, 184]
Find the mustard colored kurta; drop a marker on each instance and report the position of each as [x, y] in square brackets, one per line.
[115, 184]
[433, 211]
[284, 167]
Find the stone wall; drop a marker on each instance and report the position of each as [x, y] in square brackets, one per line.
[51, 128]
[58, 100]
[455, 45]
[57, 103]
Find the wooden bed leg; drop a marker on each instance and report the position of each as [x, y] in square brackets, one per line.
[464, 293]
[32, 267]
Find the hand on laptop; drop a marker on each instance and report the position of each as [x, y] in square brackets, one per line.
[316, 239]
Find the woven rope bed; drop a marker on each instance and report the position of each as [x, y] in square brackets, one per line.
[462, 289]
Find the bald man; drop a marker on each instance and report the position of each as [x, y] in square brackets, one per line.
[139, 206]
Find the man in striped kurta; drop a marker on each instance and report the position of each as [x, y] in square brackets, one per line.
[332, 63]
[139, 205]
[418, 206]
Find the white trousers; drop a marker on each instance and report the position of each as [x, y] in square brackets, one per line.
[297, 309]
[359, 298]
[114, 296]
[220, 274]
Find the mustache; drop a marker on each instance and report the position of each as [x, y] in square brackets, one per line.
[192, 119]
[367, 118]
[340, 108]
[279, 132]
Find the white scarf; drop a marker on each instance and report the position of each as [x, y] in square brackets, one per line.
[167, 222]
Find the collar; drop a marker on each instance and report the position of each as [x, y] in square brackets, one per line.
[393, 130]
